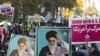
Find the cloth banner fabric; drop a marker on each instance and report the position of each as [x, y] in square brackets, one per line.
[84, 30]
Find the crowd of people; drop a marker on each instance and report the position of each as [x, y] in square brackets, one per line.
[85, 51]
[17, 28]
[9, 28]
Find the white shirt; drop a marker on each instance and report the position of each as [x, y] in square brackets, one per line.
[58, 20]
[30, 52]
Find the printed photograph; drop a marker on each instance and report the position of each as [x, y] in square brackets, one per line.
[21, 46]
[53, 42]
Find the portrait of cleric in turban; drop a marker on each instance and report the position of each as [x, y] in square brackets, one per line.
[53, 42]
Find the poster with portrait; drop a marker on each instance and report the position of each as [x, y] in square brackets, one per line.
[21, 46]
[53, 41]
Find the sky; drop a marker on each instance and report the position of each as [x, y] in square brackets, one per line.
[91, 2]
[97, 4]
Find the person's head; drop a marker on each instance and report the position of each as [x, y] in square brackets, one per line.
[93, 45]
[73, 48]
[22, 43]
[14, 53]
[51, 37]
[83, 46]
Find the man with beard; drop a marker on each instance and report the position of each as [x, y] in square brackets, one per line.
[56, 46]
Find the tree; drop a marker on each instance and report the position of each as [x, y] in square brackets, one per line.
[91, 10]
[31, 6]
[69, 13]
[79, 7]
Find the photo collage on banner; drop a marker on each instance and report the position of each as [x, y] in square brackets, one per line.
[21, 46]
[48, 42]
[53, 42]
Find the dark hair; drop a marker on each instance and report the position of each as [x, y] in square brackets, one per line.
[22, 40]
[73, 48]
[94, 45]
[50, 34]
[14, 52]
[83, 47]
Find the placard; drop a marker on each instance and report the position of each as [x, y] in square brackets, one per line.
[5, 8]
[53, 41]
[21, 46]
[85, 29]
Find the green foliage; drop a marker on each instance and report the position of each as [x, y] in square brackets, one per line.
[62, 3]
[31, 6]
[91, 10]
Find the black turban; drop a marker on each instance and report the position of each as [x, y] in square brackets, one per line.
[50, 34]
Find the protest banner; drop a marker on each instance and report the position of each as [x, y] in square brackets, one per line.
[5, 8]
[21, 45]
[85, 29]
[49, 37]
[9, 13]
[3, 36]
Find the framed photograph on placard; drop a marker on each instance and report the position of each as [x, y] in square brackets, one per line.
[21, 46]
[53, 41]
